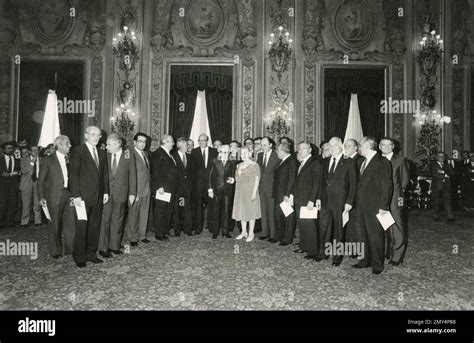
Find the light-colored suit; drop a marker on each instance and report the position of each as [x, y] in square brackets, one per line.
[28, 189]
[122, 184]
[138, 213]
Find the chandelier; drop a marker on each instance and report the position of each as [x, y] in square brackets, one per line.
[280, 50]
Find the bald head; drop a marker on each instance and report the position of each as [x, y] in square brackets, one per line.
[335, 146]
[92, 135]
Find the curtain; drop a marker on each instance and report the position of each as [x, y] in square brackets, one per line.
[369, 85]
[185, 83]
[354, 126]
[200, 122]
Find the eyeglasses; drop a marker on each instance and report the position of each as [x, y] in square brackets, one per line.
[141, 141]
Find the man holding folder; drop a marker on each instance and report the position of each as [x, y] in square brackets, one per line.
[336, 196]
[165, 178]
[373, 195]
[305, 191]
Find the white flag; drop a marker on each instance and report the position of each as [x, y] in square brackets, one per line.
[50, 129]
[354, 125]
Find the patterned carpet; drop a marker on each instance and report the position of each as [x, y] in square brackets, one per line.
[198, 273]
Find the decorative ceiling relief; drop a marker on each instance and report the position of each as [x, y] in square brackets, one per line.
[52, 20]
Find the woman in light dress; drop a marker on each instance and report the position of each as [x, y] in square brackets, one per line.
[246, 200]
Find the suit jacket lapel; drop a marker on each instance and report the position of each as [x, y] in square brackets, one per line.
[58, 166]
[307, 163]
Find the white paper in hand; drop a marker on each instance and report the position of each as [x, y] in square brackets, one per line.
[81, 211]
[386, 220]
[345, 218]
[286, 208]
[46, 211]
[163, 197]
[307, 214]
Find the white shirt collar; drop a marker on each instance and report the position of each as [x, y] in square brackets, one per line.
[389, 156]
[305, 159]
[117, 154]
[372, 153]
[284, 158]
[354, 154]
[338, 157]
[90, 146]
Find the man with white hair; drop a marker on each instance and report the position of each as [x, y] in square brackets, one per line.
[53, 193]
[89, 181]
[336, 195]
[351, 150]
[164, 179]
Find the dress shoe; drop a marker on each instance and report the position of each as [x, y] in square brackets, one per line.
[177, 234]
[376, 271]
[56, 256]
[298, 251]
[227, 235]
[134, 244]
[242, 235]
[145, 241]
[81, 264]
[317, 259]
[23, 226]
[105, 254]
[263, 238]
[393, 263]
[162, 238]
[214, 236]
[282, 244]
[310, 257]
[96, 260]
[336, 263]
[358, 266]
[250, 238]
[271, 240]
[197, 233]
[117, 252]
[189, 234]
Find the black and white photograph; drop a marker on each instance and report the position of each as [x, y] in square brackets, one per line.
[219, 162]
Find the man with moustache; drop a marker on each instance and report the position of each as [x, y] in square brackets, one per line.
[165, 178]
[123, 186]
[184, 161]
[373, 196]
[203, 156]
[305, 191]
[53, 193]
[89, 182]
[284, 179]
[396, 235]
[336, 195]
[221, 180]
[268, 161]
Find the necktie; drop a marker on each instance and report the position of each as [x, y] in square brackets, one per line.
[114, 164]
[264, 160]
[363, 167]
[333, 166]
[145, 159]
[204, 158]
[34, 177]
[301, 167]
[96, 159]
[184, 160]
[10, 165]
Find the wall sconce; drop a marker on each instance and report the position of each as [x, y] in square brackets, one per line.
[280, 50]
[125, 48]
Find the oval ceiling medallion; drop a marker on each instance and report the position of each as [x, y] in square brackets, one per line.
[51, 20]
[204, 22]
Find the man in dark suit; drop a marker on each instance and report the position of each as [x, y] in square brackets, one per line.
[305, 191]
[89, 182]
[441, 187]
[123, 186]
[268, 161]
[396, 236]
[221, 180]
[373, 196]
[9, 184]
[336, 195]
[284, 179]
[164, 178]
[138, 213]
[30, 165]
[53, 193]
[351, 150]
[203, 156]
[184, 161]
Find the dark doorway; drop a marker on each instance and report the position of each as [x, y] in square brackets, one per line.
[36, 78]
[185, 82]
[339, 84]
